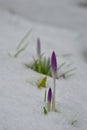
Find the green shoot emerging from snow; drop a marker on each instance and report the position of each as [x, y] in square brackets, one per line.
[42, 83]
[21, 46]
[41, 66]
[45, 111]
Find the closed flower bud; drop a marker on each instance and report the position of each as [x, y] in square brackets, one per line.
[38, 48]
[53, 63]
[49, 99]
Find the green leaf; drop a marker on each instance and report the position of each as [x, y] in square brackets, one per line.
[45, 111]
[42, 83]
[62, 65]
[23, 39]
[20, 50]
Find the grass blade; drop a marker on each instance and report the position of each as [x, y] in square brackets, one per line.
[24, 38]
[20, 50]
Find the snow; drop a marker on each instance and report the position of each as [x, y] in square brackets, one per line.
[21, 103]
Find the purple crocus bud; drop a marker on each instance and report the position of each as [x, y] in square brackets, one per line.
[54, 63]
[38, 48]
[49, 99]
[49, 96]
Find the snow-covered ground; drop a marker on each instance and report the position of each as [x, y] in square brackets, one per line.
[69, 14]
[21, 103]
[64, 13]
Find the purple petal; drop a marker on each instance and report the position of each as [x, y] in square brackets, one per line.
[38, 47]
[53, 63]
[49, 96]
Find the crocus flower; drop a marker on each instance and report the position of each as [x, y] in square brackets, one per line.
[54, 71]
[54, 63]
[49, 99]
[38, 48]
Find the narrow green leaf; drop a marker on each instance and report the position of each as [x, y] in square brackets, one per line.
[61, 66]
[24, 38]
[20, 50]
[45, 111]
[70, 70]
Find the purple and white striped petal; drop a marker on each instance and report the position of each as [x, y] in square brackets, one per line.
[49, 96]
[54, 63]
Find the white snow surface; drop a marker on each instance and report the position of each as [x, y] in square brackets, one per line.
[21, 102]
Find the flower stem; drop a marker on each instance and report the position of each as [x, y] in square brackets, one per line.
[39, 65]
[45, 96]
[53, 97]
[48, 106]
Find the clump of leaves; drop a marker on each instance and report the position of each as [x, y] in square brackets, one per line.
[42, 64]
